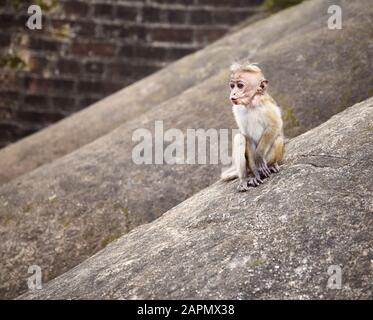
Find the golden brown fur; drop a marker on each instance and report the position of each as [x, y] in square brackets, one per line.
[259, 148]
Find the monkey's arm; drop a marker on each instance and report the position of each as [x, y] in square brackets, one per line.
[250, 156]
[266, 142]
[243, 156]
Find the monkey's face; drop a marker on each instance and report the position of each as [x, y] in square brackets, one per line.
[244, 86]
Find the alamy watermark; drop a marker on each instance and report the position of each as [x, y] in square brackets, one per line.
[335, 17]
[34, 282]
[335, 277]
[35, 20]
[173, 146]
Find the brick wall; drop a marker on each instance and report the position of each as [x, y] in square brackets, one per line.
[88, 49]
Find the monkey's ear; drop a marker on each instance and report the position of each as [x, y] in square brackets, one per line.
[264, 84]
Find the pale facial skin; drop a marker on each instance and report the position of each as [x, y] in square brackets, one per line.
[244, 86]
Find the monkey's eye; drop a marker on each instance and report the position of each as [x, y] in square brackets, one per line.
[240, 85]
[231, 85]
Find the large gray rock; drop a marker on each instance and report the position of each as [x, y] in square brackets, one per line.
[275, 241]
[61, 213]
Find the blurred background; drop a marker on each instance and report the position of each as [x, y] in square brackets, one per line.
[88, 49]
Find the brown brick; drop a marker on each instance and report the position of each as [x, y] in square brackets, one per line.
[87, 101]
[8, 95]
[160, 53]
[83, 28]
[129, 70]
[151, 14]
[5, 112]
[75, 8]
[119, 69]
[37, 85]
[4, 40]
[134, 32]
[9, 79]
[7, 21]
[63, 85]
[151, 53]
[102, 49]
[140, 71]
[8, 104]
[90, 87]
[181, 35]
[112, 86]
[176, 16]
[126, 13]
[205, 36]
[128, 51]
[10, 131]
[36, 100]
[13, 21]
[41, 44]
[37, 64]
[64, 105]
[94, 67]
[201, 17]
[68, 66]
[228, 18]
[113, 31]
[57, 23]
[177, 53]
[39, 117]
[4, 3]
[103, 10]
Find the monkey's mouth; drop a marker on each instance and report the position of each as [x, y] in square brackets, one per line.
[234, 101]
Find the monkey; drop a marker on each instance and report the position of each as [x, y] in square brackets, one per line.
[259, 147]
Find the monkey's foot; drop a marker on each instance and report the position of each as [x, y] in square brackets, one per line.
[275, 168]
[264, 173]
[254, 181]
[261, 164]
[243, 186]
[264, 170]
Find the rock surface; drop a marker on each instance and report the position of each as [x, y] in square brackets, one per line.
[275, 241]
[274, 36]
[61, 213]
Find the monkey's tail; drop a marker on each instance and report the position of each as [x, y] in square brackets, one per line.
[229, 174]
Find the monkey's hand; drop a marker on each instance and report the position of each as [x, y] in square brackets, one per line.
[261, 164]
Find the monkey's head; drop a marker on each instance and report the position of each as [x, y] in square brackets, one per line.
[246, 83]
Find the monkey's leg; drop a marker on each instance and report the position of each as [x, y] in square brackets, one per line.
[239, 160]
[264, 147]
[275, 154]
[229, 174]
[255, 179]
